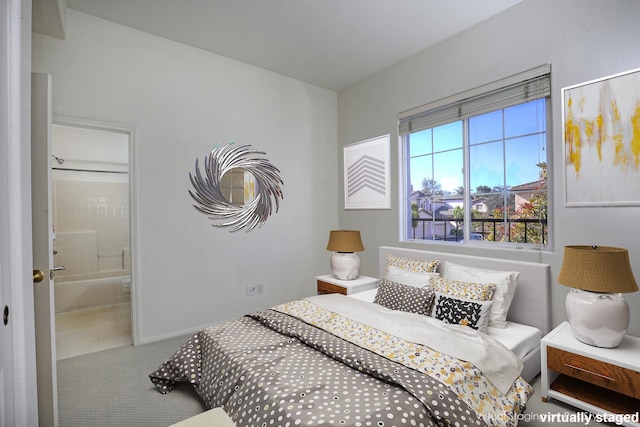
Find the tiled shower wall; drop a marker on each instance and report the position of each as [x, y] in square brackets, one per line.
[91, 221]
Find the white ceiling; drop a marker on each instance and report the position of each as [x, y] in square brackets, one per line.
[329, 43]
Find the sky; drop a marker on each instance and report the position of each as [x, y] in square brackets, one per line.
[516, 134]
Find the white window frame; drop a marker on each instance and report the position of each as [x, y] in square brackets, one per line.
[491, 97]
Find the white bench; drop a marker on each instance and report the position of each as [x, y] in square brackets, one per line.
[215, 417]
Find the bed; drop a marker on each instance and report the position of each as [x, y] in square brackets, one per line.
[347, 360]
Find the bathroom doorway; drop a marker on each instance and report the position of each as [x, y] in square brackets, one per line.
[92, 243]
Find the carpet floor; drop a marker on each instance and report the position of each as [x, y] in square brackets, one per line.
[111, 388]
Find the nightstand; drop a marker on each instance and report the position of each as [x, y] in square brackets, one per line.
[599, 380]
[328, 284]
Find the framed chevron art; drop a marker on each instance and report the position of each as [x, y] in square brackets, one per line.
[366, 174]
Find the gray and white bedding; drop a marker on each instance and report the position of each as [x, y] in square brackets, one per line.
[334, 360]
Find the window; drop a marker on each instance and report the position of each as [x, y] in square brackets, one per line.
[475, 166]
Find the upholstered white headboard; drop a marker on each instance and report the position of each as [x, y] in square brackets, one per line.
[532, 301]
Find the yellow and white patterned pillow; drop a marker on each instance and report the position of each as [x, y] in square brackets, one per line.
[466, 290]
[417, 265]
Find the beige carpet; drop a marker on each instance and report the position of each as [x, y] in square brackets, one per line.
[112, 388]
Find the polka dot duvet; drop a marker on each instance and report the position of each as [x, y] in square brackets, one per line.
[303, 364]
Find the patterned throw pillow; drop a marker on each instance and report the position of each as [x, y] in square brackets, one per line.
[505, 282]
[396, 296]
[466, 290]
[420, 265]
[457, 311]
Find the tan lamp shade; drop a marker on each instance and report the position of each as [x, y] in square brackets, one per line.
[345, 241]
[597, 269]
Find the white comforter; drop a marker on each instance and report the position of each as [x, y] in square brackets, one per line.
[497, 362]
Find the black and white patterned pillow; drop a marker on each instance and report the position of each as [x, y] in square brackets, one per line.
[458, 311]
[396, 296]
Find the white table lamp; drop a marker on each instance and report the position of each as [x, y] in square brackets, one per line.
[345, 262]
[596, 311]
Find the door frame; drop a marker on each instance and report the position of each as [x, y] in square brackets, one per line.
[131, 130]
[42, 248]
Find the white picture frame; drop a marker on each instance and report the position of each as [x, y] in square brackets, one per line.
[601, 152]
[366, 174]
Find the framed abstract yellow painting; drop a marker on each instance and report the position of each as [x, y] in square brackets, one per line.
[601, 129]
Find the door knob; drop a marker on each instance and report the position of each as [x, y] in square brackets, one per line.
[38, 276]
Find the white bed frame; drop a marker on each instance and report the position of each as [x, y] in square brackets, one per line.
[531, 304]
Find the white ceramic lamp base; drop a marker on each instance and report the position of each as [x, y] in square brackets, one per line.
[345, 265]
[597, 319]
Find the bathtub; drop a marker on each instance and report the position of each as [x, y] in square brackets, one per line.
[77, 291]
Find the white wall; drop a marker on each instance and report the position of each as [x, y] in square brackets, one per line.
[581, 39]
[181, 102]
[87, 148]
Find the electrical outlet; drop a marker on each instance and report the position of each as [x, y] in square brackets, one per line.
[254, 289]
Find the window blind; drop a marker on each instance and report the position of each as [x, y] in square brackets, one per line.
[523, 87]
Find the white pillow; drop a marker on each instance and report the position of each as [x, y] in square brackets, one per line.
[417, 279]
[505, 282]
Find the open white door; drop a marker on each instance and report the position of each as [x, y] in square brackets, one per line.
[17, 353]
[6, 307]
[42, 229]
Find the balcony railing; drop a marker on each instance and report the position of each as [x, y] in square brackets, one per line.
[521, 230]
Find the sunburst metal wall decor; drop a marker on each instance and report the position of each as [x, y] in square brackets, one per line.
[208, 193]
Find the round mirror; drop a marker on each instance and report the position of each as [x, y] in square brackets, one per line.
[231, 167]
[238, 186]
